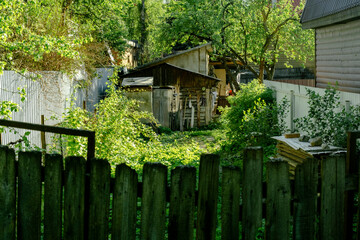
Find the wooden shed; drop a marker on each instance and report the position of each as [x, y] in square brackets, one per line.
[337, 29]
[181, 98]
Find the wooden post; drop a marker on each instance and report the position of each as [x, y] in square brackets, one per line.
[332, 197]
[84, 105]
[43, 139]
[124, 203]
[74, 200]
[99, 199]
[53, 197]
[91, 146]
[7, 193]
[29, 197]
[182, 203]
[252, 192]
[278, 195]
[153, 205]
[208, 106]
[352, 168]
[208, 196]
[198, 109]
[181, 120]
[292, 110]
[305, 199]
[230, 205]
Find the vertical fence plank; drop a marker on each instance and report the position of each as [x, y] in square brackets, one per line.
[351, 168]
[332, 197]
[99, 199]
[252, 192]
[305, 199]
[74, 201]
[153, 205]
[29, 197]
[7, 193]
[53, 197]
[124, 204]
[182, 203]
[230, 203]
[277, 200]
[208, 196]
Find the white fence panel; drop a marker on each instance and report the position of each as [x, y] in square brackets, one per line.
[296, 94]
[49, 96]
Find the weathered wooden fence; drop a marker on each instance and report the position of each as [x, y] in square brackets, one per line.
[82, 201]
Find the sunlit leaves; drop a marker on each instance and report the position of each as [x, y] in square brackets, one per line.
[255, 32]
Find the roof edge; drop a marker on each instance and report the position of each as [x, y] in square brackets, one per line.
[336, 18]
[160, 60]
[201, 74]
[174, 66]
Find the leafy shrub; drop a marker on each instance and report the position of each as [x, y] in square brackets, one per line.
[122, 137]
[253, 117]
[326, 118]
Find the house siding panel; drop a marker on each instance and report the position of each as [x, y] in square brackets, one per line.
[338, 56]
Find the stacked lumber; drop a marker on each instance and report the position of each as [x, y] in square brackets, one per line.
[295, 152]
[291, 155]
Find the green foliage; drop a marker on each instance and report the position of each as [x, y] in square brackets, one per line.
[252, 32]
[253, 117]
[327, 118]
[46, 35]
[121, 135]
[148, 27]
[33, 30]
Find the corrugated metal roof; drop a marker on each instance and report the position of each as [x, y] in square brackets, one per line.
[170, 65]
[315, 9]
[138, 81]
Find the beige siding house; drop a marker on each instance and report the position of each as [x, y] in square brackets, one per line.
[337, 29]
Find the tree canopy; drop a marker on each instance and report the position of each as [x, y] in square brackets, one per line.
[59, 35]
[251, 33]
[66, 34]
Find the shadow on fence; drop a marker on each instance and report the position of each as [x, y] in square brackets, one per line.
[93, 205]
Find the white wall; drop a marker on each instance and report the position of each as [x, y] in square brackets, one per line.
[296, 94]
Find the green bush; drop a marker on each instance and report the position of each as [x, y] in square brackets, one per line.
[326, 118]
[122, 137]
[253, 117]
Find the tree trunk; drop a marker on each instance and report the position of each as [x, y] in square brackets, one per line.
[144, 33]
[261, 70]
[270, 72]
[233, 83]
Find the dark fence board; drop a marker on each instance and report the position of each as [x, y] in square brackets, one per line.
[74, 201]
[278, 196]
[29, 197]
[252, 192]
[99, 201]
[230, 203]
[53, 197]
[124, 204]
[305, 199]
[182, 203]
[7, 193]
[208, 196]
[332, 197]
[153, 204]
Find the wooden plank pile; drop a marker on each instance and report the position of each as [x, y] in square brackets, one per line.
[295, 152]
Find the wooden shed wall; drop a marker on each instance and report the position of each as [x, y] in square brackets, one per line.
[338, 56]
[201, 101]
[196, 60]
